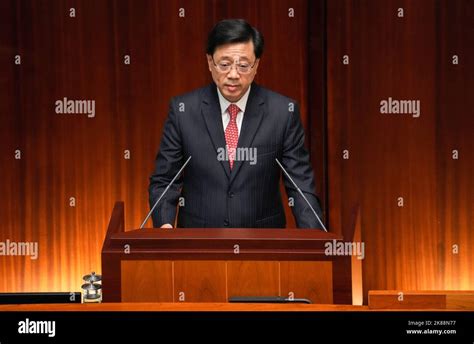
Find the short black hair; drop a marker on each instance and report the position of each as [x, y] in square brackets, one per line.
[234, 31]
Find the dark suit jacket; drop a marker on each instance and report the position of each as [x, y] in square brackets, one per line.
[247, 196]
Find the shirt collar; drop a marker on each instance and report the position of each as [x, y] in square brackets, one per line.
[241, 103]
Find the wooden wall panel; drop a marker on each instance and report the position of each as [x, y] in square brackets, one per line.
[317, 99]
[307, 280]
[394, 155]
[217, 281]
[253, 278]
[455, 128]
[200, 281]
[147, 281]
[64, 156]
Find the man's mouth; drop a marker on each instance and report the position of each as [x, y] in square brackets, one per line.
[231, 88]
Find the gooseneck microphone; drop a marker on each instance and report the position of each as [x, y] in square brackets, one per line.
[161, 196]
[302, 195]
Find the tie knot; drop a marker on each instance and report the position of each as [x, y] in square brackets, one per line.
[233, 110]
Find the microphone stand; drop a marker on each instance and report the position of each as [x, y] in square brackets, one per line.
[302, 195]
[161, 196]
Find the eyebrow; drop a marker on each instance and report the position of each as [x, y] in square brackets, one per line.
[226, 57]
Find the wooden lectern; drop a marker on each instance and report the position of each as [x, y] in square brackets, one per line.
[213, 264]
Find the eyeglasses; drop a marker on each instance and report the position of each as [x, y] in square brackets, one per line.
[241, 67]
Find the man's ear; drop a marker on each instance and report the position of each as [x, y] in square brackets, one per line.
[256, 65]
[209, 62]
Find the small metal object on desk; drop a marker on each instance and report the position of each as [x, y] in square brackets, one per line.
[92, 289]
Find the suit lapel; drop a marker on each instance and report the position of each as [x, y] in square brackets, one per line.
[211, 112]
[252, 118]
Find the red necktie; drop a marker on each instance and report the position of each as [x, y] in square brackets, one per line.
[232, 133]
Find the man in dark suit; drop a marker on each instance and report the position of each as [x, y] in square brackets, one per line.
[234, 130]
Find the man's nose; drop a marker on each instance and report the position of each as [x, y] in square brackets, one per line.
[233, 74]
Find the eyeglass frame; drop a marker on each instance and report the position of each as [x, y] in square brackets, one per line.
[232, 66]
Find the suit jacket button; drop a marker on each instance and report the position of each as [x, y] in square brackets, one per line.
[231, 194]
[226, 222]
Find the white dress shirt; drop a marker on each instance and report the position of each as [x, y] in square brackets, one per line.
[241, 103]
